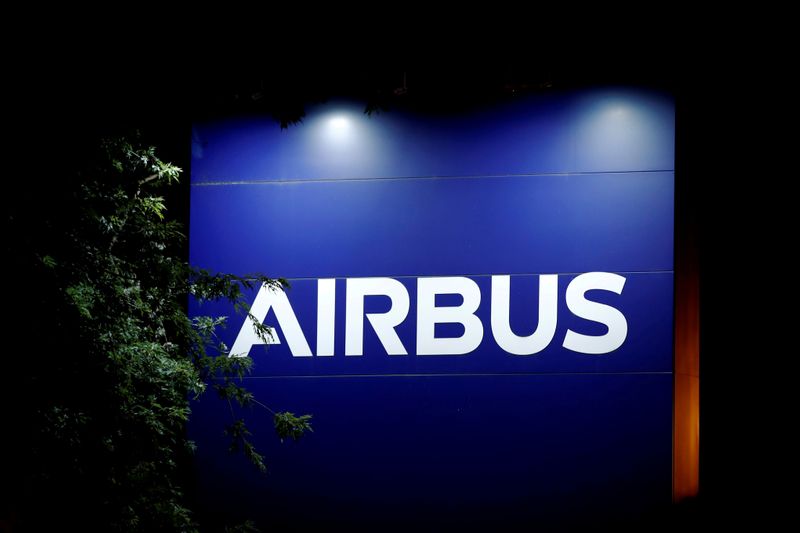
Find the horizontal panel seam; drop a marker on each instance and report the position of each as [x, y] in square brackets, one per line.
[307, 278]
[476, 374]
[207, 183]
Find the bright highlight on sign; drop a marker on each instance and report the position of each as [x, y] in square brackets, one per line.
[339, 122]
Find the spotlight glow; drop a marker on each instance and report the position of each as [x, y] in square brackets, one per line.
[617, 110]
[340, 138]
[339, 122]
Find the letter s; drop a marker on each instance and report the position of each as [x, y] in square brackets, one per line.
[596, 312]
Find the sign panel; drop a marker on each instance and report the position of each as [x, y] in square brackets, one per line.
[480, 311]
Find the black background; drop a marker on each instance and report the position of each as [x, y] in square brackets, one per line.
[83, 86]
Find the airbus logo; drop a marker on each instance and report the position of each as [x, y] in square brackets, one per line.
[429, 315]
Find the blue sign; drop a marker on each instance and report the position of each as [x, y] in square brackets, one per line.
[480, 311]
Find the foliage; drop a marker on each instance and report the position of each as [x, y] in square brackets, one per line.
[289, 425]
[108, 428]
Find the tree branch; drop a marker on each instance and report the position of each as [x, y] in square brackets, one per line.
[148, 179]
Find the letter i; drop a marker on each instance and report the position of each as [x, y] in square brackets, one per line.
[326, 315]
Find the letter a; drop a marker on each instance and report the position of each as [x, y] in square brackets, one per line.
[270, 297]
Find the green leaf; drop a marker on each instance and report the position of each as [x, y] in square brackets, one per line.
[288, 425]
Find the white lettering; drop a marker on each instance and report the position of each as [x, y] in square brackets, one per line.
[326, 316]
[269, 297]
[382, 323]
[428, 315]
[548, 316]
[596, 312]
